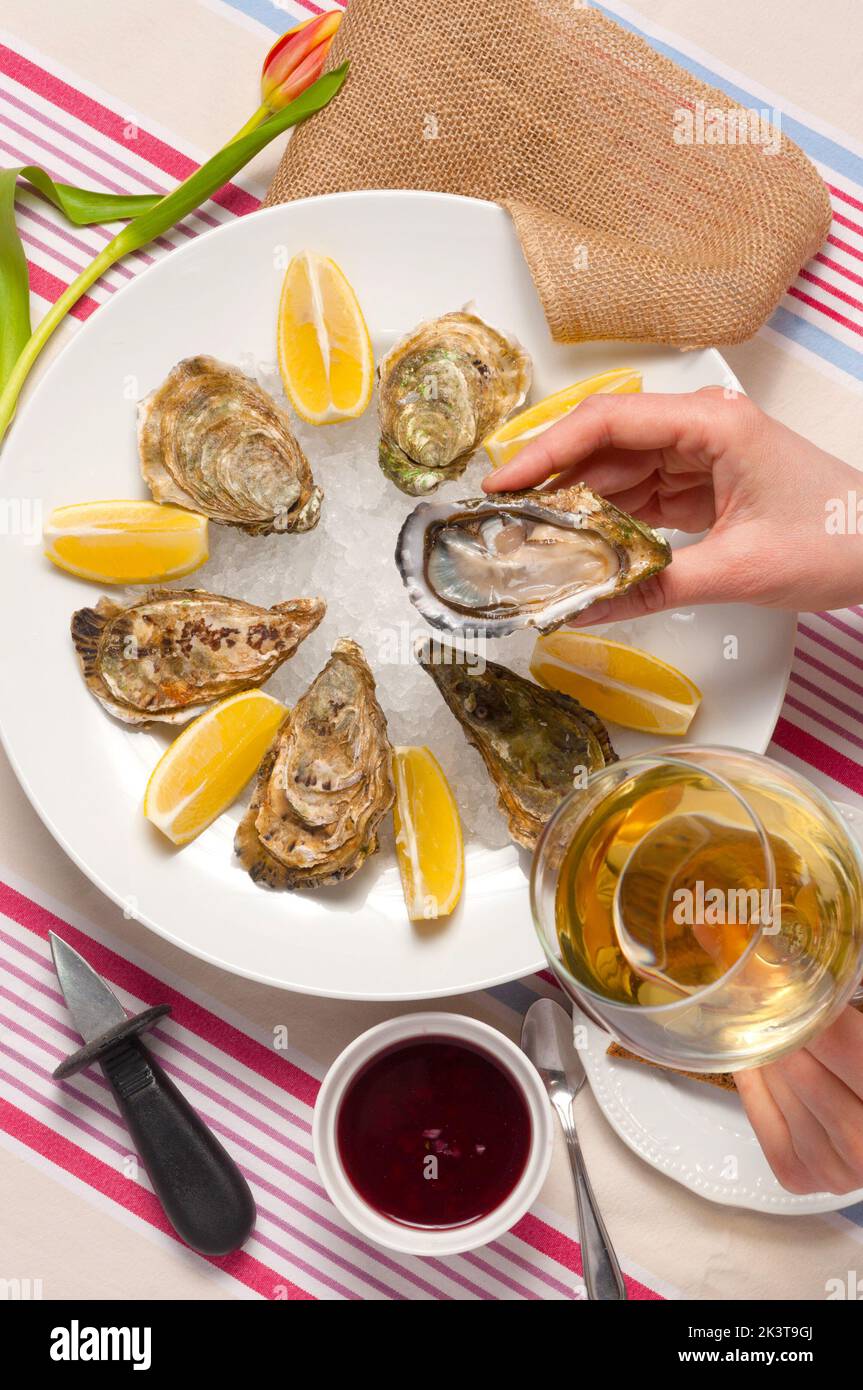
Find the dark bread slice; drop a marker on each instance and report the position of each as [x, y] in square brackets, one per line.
[725, 1079]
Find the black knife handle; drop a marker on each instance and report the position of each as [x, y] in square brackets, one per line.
[204, 1194]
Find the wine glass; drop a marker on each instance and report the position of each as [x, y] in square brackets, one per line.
[704, 905]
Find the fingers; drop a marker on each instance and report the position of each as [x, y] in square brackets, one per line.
[808, 1121]
[811, 1141]
[700, 424]
[772, 1132]
[834, 1105]
[697, 574]
[611, 471]
[840, 1050]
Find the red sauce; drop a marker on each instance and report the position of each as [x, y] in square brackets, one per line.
[433, 1133]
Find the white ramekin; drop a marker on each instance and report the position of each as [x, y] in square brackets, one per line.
[410, 1240]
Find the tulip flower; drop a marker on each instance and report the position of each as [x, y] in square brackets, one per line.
[293, 90]
[294, 61]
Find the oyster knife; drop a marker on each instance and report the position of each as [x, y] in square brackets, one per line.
[204, 1194]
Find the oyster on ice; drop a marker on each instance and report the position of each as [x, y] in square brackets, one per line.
[534, 742]
[522, 559]
[443, 388]
[325, 785]
[167, 655]
[210, 439]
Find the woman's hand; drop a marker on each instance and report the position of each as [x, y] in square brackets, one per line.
[807, 1110]
[768, 500]
[707, 461]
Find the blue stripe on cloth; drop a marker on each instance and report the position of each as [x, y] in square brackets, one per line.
[515, 995]
[817, 341]
[278, 17]
[816, 145]
[854, 1213]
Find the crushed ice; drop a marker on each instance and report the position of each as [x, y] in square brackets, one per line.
[349, 561]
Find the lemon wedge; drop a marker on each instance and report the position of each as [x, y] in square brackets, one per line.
[429, 842]
[202, 771]
[325, 353]
[510, 437]
[126, 542]
[622, 684]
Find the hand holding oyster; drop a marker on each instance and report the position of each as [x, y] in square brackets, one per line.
[443, 388]
[212, 440]
[168, 655]
[522, 559]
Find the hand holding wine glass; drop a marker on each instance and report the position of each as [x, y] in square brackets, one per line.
[771, 505]
[807, 1110]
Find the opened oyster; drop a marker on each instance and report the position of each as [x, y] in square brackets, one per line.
[522, 559]
[168, 655]
[443, 388]
[325, 784]
[534, 742]
[212, 440]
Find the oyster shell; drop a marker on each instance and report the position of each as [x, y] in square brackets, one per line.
[325, 785]
[210, 439]
[170, 653]
[443, 388]
[522, 559]
[534, 742]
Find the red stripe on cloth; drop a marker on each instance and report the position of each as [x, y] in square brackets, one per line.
[558, 1246]
[844, 246]
[846, 197]
[831, 289]
[847, 222]
[848, 628]
[840, 730]
[821, 693]
[50, 287]
[824, 641]
[839, 269]
[134, 1198]
[282, 1073]
[107, 122]
[825, 309]
[818, 754]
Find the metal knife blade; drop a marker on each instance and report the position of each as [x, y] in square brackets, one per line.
[94, 1007]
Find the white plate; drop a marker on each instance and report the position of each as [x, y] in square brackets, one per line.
[697, 1134]
[410, 256]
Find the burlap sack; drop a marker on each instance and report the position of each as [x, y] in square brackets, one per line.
[573, 125]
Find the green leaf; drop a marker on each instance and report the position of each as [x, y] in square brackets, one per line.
[81, 207]
[222, 167]
[19, 348]
[14, 285]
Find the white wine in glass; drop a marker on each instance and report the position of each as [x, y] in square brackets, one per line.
[705, 905]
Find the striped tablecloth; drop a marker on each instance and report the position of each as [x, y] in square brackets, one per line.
[130, 99]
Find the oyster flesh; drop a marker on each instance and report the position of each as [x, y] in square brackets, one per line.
[443, 388]
[522, 559]
[325, 785]
[170, 653]
[534, 742]
[210, 439]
